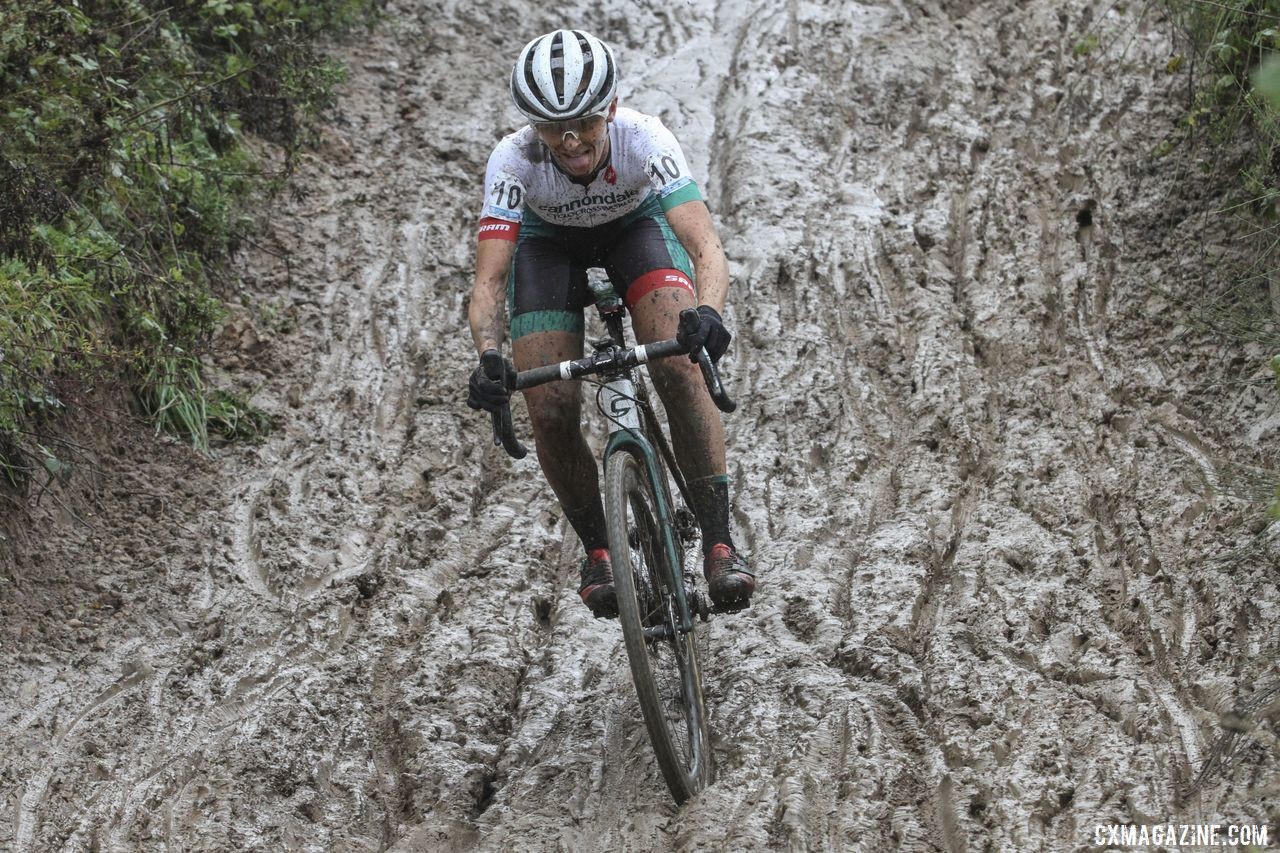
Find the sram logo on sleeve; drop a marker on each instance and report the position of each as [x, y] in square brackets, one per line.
[497, 229]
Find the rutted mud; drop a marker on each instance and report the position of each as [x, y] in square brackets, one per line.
[1007, 587]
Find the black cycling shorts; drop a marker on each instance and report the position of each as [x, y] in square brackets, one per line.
[547, 288]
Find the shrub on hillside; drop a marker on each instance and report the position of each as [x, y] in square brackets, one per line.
[123, 184]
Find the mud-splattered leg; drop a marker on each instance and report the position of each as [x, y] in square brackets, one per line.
[555, 411]
[696, 431]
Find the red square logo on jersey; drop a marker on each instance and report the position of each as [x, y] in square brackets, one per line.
[610, 175]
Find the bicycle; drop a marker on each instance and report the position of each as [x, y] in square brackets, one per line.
[658, 597]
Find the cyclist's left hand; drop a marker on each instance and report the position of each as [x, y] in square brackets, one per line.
[491, 382]
[710, 333]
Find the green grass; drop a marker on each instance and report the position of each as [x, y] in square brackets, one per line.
[125, 189]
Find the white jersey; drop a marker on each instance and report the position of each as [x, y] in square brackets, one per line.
[644, 159]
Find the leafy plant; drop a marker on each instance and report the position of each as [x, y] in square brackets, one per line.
[172, 395]
[1086, 45]
[125, 188]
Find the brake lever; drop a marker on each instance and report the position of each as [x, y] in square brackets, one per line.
[714, 386]
[688, 326]
[504, 434]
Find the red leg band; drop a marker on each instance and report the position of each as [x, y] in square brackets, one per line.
[655, 279]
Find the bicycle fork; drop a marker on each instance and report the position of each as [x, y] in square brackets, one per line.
[622, 408]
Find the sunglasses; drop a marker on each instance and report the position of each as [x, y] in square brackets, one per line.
[585, 126]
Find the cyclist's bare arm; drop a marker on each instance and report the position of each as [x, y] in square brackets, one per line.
[493, 262]
[697, 233]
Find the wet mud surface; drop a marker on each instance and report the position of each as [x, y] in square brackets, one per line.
[1011, 580]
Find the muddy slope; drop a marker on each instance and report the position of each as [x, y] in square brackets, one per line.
[1009, 581]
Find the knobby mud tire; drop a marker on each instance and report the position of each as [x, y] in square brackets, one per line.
[640, 570]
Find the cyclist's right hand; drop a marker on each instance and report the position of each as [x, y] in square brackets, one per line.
[706, 329]
[491, 383]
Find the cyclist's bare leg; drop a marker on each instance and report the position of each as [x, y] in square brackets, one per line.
[555, 411]
[697, 434]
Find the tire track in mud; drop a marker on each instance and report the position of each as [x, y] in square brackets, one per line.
[988, 615]
[34, 793]
[803, 310]
[344, 537]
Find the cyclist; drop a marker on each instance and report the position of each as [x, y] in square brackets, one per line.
[590, 184]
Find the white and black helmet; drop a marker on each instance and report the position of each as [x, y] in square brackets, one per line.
[563, 75]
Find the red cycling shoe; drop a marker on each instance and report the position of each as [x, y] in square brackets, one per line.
[596, 589]
[729, 581]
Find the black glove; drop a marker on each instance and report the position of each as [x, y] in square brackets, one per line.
[710, 333]
[492, 382]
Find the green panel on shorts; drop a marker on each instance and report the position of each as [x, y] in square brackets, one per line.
[689, 192]
[533, 225]
[675, 248]
[545, 321]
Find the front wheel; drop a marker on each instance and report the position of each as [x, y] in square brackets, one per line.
[664, 660]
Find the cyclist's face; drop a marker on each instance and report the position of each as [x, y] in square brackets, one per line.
[579, 145]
